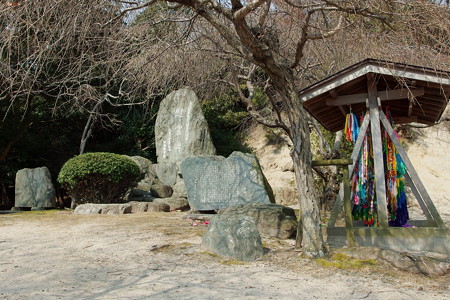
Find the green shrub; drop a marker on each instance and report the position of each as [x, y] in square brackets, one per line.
[225, 117]
[98, 177]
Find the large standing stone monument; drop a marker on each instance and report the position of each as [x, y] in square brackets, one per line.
[181, 129]
[215, 182]
[34, 189]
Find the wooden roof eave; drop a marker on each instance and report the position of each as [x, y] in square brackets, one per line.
[370, 66]
[392, 77]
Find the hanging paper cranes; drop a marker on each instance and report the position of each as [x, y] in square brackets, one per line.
[363, 194]
[365, 100]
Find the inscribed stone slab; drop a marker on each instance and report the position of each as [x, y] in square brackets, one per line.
[181, 129]
[214, 182]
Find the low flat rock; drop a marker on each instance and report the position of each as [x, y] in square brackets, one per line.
[158, 207]
[234, 236]
[426, 263]
[161, 191]
[174, 203]
[139, 206]
[105, 209]
[272, 220]
[215, 182]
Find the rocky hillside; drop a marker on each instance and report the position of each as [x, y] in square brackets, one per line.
[429, 151]
[273, 153]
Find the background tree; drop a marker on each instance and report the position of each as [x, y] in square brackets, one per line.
[279, 45]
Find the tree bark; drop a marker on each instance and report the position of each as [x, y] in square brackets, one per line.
[309, 236]
[309, 233]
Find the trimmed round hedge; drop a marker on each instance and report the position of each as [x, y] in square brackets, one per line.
[98, 177]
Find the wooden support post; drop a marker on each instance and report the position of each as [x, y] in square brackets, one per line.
[359, 141]
[348, 209]
[377, 151]
[419, 198]
[413, 175]
[341, 163]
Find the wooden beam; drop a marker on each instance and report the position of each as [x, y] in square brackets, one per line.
[400, 93]
[412, 172]
[387, 95]
[348, 209]
[344, 113]
[334, 96]
[403, 120]
[410, 104]
[411, 99]
[415, 233]
[380, 184]
[332, 162]
[347, 99]
[418, 196]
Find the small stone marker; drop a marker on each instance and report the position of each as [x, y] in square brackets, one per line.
[34, 188]
[181, 129]
[213, 182]
[234, 236]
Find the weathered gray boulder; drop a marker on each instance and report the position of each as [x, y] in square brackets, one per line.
[105, 209]
[167, 173]
[432, 267]
[179, 189]
[181, 129]
[139, 195]
[398, 260]
[34, 188]
[158, 207]
[161, 191]
[174, 203]
[213, 182]
[234, 236]
[143, 186]
[143, 163]
[272, 220]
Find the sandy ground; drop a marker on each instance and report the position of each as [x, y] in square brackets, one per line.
[58, 255]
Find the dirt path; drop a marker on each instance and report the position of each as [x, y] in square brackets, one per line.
[58, 255]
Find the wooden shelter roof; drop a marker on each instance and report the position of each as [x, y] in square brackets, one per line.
[412, 93]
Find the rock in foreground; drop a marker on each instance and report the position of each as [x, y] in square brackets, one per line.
[234, 236]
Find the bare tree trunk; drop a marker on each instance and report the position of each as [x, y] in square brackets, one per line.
[87, 132]
[309, 233]
[310, 239]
